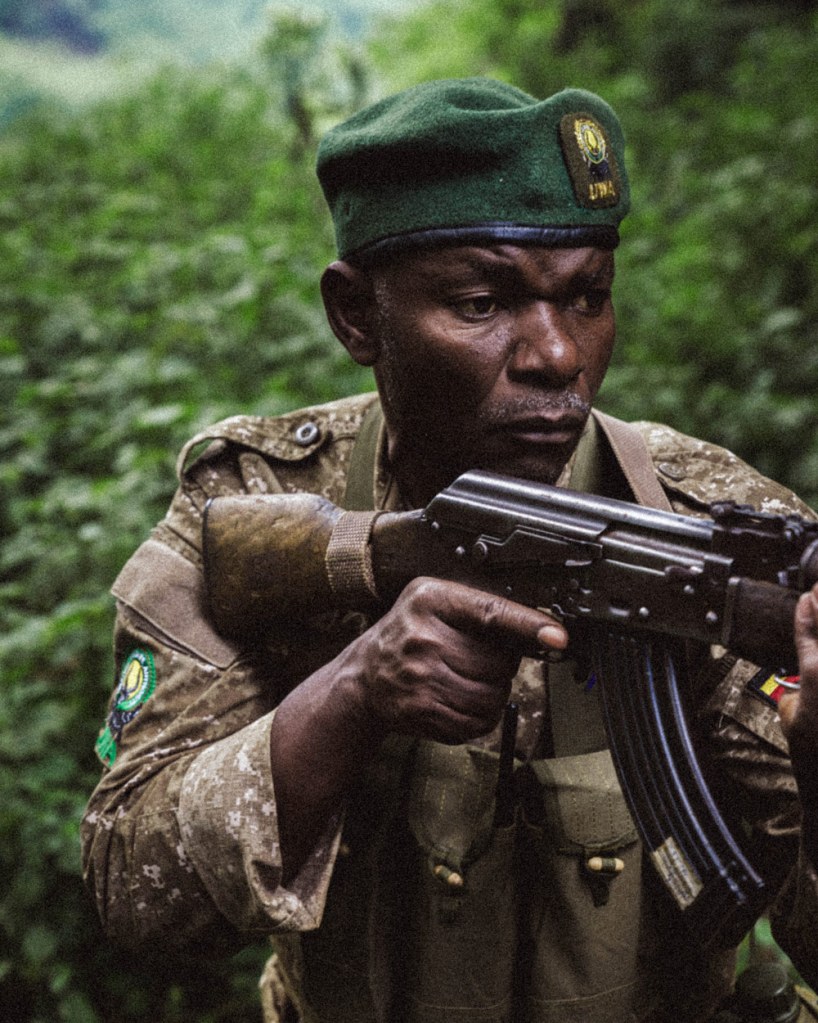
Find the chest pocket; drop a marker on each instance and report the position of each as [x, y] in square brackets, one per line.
[502, 923]
[581, 867]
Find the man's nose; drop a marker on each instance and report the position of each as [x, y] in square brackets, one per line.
[544, 347]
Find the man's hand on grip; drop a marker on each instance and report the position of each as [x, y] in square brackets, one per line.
[439, 664]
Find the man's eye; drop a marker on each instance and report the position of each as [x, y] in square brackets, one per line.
[592, 301]
[477, 307]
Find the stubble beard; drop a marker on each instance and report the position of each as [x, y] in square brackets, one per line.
[497, 415]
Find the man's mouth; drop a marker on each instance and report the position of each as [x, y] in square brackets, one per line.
[549, 431]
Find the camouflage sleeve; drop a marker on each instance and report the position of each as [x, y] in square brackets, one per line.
[180, 836]
[752, 774]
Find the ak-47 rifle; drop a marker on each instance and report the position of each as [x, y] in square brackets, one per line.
[631, 584]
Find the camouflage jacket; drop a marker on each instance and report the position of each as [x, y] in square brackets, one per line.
[179, 837]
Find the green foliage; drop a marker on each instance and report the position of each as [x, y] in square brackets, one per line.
[158, 270]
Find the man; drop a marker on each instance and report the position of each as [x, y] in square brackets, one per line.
[333, 783]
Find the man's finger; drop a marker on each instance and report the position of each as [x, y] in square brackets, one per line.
[503, 618]
[805, 700]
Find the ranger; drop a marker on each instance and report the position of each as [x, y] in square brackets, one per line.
[333, 784]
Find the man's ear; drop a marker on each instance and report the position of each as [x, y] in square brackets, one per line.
[349, 301]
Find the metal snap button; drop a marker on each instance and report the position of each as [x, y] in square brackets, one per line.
[673, 472]
[307, 434]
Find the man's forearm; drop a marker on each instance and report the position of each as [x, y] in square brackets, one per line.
[322, 736]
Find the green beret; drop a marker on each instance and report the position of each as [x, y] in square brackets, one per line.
[475, 160]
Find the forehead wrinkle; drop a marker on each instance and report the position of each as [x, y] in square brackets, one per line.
[521, 259]
[503, 263]
[588, 264]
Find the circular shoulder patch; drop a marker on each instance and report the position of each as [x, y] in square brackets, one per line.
[137, 680]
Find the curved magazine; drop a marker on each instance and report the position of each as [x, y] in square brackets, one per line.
[694, 852]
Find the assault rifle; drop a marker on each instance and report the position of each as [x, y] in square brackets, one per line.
[633, 586]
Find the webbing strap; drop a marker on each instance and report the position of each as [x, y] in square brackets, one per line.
[360, 488]
[349, 558]
[635, 461]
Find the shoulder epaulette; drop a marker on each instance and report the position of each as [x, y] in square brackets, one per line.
[291, 437]
[700, 473]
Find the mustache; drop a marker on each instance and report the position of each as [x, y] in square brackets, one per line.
[542, 404]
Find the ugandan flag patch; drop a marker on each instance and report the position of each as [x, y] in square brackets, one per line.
[770, 688]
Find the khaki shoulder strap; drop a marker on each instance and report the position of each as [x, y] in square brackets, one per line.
[576, 719]
[360, 488]
[635, 460]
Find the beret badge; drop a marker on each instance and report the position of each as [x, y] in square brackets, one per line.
[590, 161]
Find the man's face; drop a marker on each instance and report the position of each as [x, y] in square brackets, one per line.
[490, 358]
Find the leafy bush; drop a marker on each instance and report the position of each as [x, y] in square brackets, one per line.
[158, 272]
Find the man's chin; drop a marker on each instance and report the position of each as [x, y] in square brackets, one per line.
[543, 465]
[536, 470]
[530, 456]
[535, 466]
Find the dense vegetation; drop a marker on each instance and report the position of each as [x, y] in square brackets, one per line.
[158, 266]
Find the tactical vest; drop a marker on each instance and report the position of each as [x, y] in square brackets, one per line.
[437, 915]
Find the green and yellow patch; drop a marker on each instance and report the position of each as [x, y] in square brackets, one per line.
[137, 681]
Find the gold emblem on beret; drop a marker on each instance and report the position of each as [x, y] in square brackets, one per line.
[590, 140]
[590, 161]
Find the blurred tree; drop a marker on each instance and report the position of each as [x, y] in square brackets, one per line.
[291, 50]
[317, 77]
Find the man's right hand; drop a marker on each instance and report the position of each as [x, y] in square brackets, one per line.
[440, 663]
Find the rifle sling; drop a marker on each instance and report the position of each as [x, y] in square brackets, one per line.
[635, 460]
[576, 723]
[360, 489]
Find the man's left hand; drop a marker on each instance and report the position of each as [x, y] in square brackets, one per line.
[799, 718]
